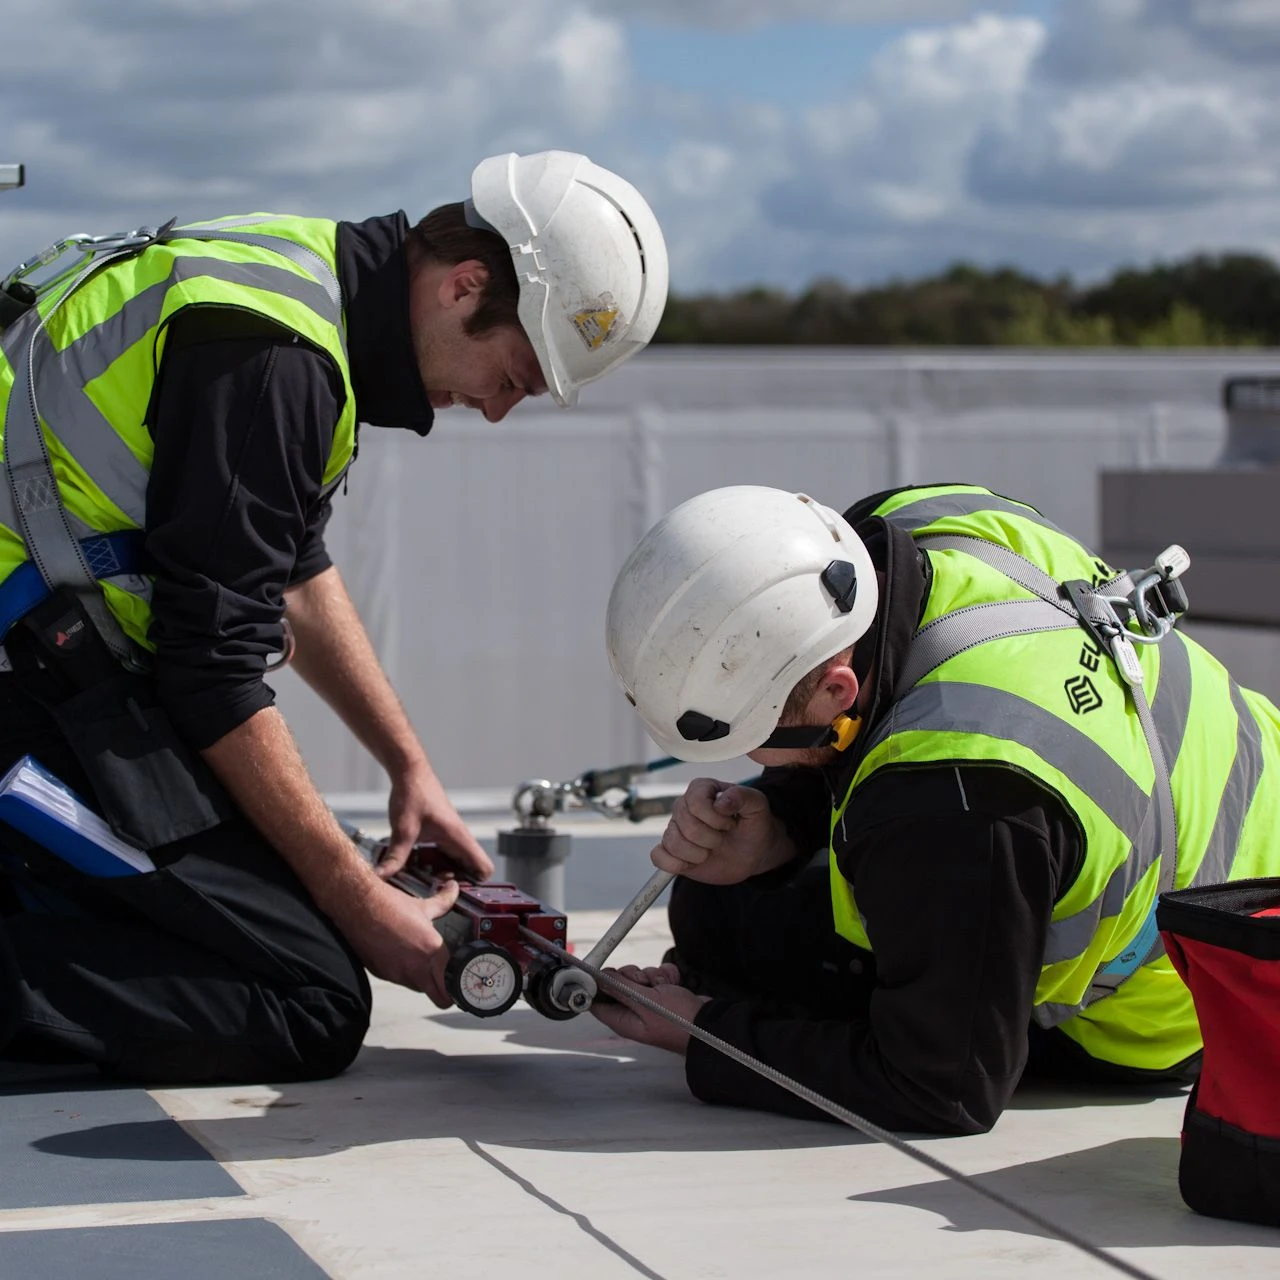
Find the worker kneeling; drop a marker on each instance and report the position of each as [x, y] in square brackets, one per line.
[969, 715]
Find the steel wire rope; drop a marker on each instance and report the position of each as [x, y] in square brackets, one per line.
[637, 995]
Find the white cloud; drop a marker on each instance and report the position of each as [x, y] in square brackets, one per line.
[728, 14]
[1124, 129]
[929, 97]
[132, 113]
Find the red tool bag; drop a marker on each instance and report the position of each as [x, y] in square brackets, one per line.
[1224, 940]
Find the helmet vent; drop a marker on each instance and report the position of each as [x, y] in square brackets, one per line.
[635, 235]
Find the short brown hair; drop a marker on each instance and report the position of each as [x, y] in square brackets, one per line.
[794, 708]
[444, 236]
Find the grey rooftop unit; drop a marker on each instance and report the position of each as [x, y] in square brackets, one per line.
[1225, 515]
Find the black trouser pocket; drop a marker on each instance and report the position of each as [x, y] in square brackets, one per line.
[152, 788]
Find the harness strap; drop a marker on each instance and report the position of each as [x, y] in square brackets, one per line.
[1083, 605]
[42, 516]
[109, 555]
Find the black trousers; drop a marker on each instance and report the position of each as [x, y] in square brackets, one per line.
[773, 940]
[216, 967]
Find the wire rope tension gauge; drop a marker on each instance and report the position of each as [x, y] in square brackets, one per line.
[483, 979]
[503, 943]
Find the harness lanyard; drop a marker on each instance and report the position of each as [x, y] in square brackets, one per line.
[631, 994]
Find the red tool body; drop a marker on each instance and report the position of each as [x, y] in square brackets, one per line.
[491, 963]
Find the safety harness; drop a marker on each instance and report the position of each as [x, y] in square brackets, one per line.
[64, 564]
[152, 788]
[1136, 607]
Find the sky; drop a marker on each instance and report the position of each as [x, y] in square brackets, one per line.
[778, 143]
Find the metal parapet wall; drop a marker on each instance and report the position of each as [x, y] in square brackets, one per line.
[482, 558]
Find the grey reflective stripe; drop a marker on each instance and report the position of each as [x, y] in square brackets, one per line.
[1171, 707]
[94, 352]
[307, 259]
[1171, 711]
[1053, 1015]
[5, 664]
[1237, 796]
[954, 633]
[946, 707]
[230, 224]
[915, 515]
[1014, 566]
[1069, 937]
[89, 437]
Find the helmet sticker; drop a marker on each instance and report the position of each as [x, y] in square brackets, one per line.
[596, 321]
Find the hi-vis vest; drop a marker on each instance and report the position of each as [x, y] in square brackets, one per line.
[76, 378]
[1052, 704]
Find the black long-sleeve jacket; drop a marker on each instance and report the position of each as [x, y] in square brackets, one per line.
[956, 871]
[243, 416]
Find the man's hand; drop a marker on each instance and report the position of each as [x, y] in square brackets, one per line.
[396, 939]
[420, 810]
[720, 833]
[643, 1025]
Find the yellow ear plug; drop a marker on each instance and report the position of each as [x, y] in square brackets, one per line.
[846, 729]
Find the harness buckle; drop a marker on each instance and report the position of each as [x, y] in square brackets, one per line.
[84, 247]
[1098, 615]
[1158, 598]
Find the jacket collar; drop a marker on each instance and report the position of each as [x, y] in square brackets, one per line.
[906, 574]
[375, 292]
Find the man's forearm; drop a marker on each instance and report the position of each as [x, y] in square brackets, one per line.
[335, 657]
[259, 764]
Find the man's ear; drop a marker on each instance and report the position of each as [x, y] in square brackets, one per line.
[463, 285]
[835, 694]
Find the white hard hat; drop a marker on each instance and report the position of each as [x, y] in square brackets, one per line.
[728, 602]
[589, 256]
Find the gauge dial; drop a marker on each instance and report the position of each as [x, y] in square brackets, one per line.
[483, 978]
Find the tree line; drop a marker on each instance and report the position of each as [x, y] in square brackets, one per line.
[1225, 300]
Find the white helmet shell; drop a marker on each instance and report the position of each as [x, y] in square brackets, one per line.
[589, 256]
[723, 608]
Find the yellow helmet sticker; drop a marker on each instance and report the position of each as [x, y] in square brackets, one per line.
[594, 326]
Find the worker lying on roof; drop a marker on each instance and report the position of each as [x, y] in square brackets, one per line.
[969, 713]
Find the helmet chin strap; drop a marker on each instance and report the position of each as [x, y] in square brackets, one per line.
[840, 733]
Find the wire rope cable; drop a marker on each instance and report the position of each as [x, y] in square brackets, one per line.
[636, 995]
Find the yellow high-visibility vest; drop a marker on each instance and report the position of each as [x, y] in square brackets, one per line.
[1051, 704]
[84, 361]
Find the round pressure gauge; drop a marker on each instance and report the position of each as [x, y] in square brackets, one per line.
[483, 979]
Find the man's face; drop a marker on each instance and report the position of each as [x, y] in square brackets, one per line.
[491, 372]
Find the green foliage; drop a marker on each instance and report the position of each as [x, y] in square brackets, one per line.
[1205, 301]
